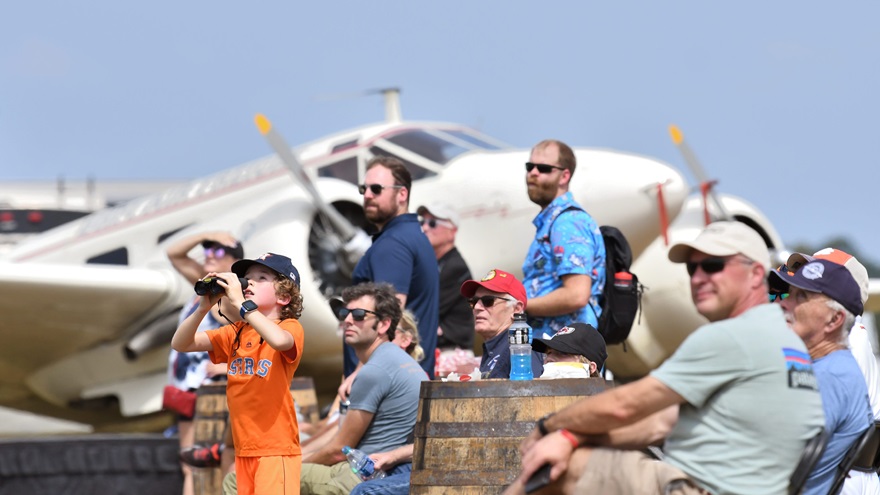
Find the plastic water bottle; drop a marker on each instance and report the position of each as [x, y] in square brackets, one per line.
[519, 335]
[361, 464]
[623, 280]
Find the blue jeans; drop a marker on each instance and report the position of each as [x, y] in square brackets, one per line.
[395, 483]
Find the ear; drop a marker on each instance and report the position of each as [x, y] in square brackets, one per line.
[384, 325]
[835, 322]
[283, 299]
[519, 307]
[759, 274]
[403, 195]
[594, 368]
[565, 178]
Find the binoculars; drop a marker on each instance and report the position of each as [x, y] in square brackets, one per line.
[209, 285]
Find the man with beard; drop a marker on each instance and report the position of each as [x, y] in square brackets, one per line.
[564, 270]
[400, 255]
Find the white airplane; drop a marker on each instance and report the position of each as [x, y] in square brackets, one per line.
[89, 307]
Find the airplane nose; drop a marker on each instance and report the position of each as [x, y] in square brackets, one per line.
[632, 192]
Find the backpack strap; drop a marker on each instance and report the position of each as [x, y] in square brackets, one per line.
[546, 238]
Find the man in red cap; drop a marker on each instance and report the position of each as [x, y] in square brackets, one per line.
[495, 299]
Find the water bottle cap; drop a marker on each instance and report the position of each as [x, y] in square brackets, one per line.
[623, 276]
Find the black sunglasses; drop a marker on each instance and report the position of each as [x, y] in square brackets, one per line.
[433, 222]
[711, 265]
[488, 301]
[357, 314]
[543, 168]
[376, 189]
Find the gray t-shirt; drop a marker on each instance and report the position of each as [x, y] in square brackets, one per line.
[752, 403]
[388, 386]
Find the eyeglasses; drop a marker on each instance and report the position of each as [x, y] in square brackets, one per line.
[488, 301]
[357, 314]
[433, 223]
[215, 252]
[711, 265]
[543, 168]
[778, 296]
[376, 189]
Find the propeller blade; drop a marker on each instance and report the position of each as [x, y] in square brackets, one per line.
[342, 226]
[696, 168]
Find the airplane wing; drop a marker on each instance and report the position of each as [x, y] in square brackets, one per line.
[80, 306]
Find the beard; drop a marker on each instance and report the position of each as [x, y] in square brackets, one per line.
[541, 194]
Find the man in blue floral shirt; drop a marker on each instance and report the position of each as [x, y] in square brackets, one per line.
[564, 271]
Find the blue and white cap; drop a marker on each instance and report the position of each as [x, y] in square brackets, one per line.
[278, 263]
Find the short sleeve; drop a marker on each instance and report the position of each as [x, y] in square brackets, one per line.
[573, 245]
[368, 389]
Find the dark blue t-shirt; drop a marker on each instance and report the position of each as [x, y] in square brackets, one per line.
[402, 256]
[496, 358]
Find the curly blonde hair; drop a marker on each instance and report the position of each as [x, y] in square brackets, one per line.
[409, 326]
[285, 287]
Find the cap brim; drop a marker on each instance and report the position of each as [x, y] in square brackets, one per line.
[240, 267]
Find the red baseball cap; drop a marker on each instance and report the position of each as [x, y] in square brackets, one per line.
[497, 281]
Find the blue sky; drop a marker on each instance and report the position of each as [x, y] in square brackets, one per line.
[780, 100]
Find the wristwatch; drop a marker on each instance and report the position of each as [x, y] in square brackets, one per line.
[247, 307]
[540, 424]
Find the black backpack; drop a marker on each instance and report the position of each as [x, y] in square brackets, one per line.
[622, 295]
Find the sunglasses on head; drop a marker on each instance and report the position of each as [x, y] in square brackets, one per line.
[357, 314]
[433, 222]
[376, 189]
[215, 252]
[543, 168]
[488, 301]
[711, 265]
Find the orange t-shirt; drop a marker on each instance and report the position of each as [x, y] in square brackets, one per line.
[258, 389]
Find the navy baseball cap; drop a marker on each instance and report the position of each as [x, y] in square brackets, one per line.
[576, 338]
[825, 277]
[278, 263]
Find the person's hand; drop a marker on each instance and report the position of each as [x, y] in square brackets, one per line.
[529, 441]
[383, 460]
[229, 281]
[209, 300]
[553, 449]
[220, 237]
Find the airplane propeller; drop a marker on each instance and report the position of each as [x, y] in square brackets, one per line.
[354, 241]
[706, 185]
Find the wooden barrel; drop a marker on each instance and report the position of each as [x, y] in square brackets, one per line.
[209, 423]
[467, 434]
[303, 391]
[211, 416]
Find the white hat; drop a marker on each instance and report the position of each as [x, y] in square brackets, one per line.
[441, 211]
[857, 270]
[724, 239]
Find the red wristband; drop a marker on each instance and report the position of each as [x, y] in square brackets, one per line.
[570, 437]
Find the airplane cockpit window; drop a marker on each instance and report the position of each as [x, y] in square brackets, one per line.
[346, 170]
[428, 145]
[474, 140]
[115, 257]
[416, 171]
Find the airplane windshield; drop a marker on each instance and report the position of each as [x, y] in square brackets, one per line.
[428, 145]
[472, 140]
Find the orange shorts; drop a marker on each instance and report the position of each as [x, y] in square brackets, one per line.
[271, 475]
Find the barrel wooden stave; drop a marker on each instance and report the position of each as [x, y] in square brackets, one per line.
[467, 435]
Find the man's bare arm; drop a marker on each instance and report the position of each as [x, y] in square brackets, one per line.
[651, 430]
[572, 296]
[350, 433]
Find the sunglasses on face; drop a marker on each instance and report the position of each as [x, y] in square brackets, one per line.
[215, 252]
[357, 314]
[376, 189]
[543, 168]
[488, 301]
[433, 222]
[778, 296]
[711, 265]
